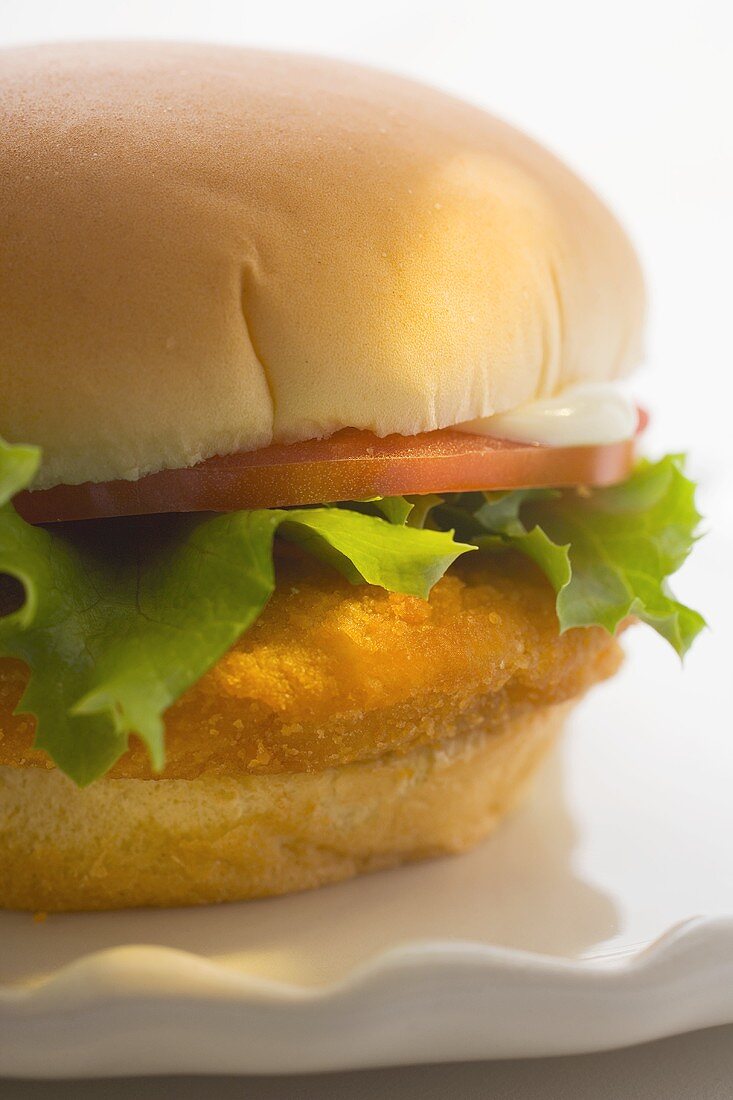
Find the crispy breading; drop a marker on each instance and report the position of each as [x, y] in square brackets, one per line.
[332, 673]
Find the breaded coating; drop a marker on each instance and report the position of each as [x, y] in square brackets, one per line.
[333, 673]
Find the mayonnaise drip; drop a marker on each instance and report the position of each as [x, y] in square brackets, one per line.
[583, 415]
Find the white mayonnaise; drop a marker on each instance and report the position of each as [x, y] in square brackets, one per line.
[583, 415]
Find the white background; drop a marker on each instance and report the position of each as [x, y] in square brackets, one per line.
[637, 97]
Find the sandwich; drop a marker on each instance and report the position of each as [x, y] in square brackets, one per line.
[321, 500]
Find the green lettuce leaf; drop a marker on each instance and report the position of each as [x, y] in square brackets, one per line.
[395, 509]
[607, 552]
[121, 617]
[413, 511]
[624, 542]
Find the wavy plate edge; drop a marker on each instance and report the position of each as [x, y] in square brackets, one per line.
[152, 1010]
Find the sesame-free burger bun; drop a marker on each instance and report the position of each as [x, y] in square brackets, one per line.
[208, 249]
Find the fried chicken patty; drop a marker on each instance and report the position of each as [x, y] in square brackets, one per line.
[333, 673]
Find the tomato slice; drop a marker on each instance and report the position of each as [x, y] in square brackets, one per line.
[350, 465]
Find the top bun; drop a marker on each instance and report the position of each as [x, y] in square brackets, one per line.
[207, 249]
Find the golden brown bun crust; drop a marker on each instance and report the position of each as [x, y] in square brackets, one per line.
[127, 842]
[206, 249]
[333, 673]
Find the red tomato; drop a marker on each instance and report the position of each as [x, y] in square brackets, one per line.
[351, 465]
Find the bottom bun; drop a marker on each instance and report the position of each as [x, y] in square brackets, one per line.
[128, 842]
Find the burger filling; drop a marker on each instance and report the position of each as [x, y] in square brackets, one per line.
[297, 637]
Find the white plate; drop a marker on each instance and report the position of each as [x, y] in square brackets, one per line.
[601, 914]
